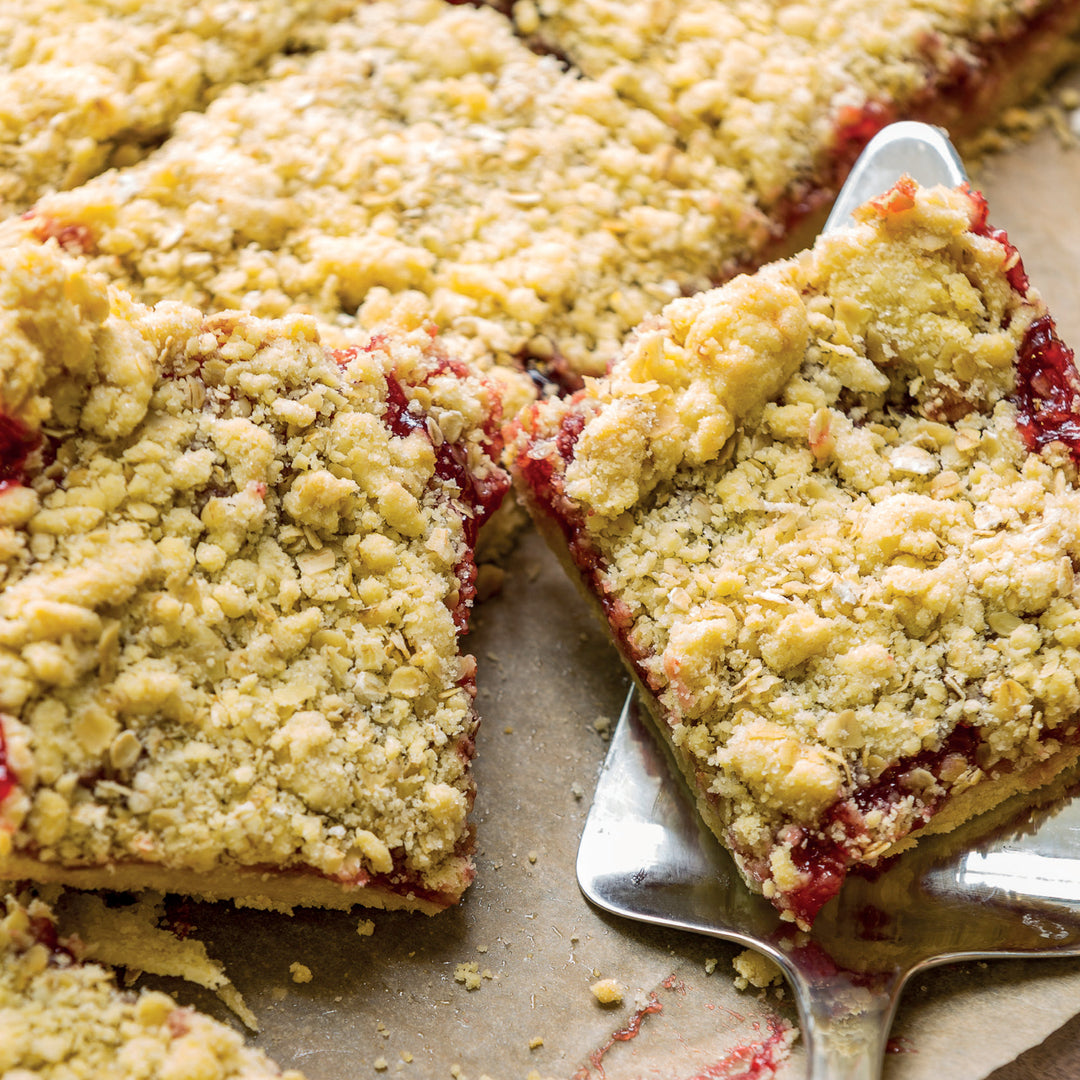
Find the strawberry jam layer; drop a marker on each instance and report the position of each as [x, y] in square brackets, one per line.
[546, 490]
[7, 781]
[17, 442]
[825, 860]
[479, 495]
[1047, 396]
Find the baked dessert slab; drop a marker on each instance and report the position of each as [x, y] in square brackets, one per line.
[829, 513]
[536, 213]
[789, 94]
[61, 1018]
[236, 566]
[421, 158]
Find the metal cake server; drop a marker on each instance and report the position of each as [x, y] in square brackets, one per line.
[1005, 885]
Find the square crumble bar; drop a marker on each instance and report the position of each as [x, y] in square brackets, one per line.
[235, 566]
[830, 514]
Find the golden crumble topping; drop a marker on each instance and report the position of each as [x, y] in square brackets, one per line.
[235, 565]
[64, 1020]
[422, 158]
[807, 508]
[771, 86]
[85, 85]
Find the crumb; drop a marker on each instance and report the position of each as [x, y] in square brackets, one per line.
[602, 726]
[234, 1000]
[608, 991]
[536, 1042]
[487, 973]
[406, 1057]
[754, 969]
[468, 974]
[300, 973]
[710, 965]
[533, 856]
[481, 948]
[456, 1072]
[508, 730]
[366, 927]
[380, 1064]
[577, 790]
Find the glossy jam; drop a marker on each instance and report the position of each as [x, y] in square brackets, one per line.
[826, 860]
[1014, 265]
[17, 442]
[7, 781]
[1047, 396]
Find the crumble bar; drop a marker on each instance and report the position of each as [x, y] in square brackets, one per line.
[423, 158]
[234, 566]
[830, 514]
[62, 1019]
[787, 94]
[86, 85]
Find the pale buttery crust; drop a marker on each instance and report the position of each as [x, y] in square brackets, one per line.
[806, 509]
[235, 569]
[61, 1019]
[424, 157]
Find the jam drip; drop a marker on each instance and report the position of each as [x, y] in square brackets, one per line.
[1047, 396]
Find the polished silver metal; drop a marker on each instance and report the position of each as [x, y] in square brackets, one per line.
[1007, 884]
[921, 151]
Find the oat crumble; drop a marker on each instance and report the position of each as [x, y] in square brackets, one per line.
[423, 158]
[841, 573]
[86, 85]
[235, 565]
[771, 88]
[62, 1020]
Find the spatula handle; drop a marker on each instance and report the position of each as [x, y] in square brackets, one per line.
[846, 1025]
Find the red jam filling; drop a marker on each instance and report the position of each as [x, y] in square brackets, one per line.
[826, 861]
[480, 495]
[17, 442]
[1047, 396]
[1014, 266]
[7, 781]
[540, 475]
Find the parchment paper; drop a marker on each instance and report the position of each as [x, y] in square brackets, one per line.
[389, 1005]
